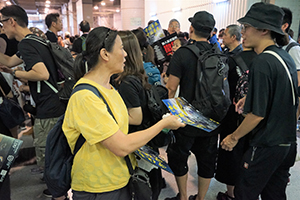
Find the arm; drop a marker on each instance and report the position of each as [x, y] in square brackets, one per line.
[249, 123]
[121, 144]
[135, 116]
[172, 85]
[2, 45]
[38, 72]
[10, 61]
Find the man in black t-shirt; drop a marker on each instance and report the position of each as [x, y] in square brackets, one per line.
[54, 25]
[270, 109]
[79, 44]
[182, 71]
[38, 68]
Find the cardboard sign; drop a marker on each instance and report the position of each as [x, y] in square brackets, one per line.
[154, 32]
[163, 48]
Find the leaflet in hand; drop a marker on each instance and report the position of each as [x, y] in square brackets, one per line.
[189, 114]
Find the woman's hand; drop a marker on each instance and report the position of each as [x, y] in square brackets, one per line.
[173, 122]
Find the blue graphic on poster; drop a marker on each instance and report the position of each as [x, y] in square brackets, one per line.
[154, 32]
[189, 114]
[146, 153]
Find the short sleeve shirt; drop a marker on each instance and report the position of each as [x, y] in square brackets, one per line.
[47, 102]
[183, 65]
[96, 169]
[270, 96]
[51, 36]
[134, 95]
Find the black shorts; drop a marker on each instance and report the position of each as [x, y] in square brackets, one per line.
[204, 149]
[265, 171]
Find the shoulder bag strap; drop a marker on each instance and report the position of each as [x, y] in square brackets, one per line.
[82, 86]
[287, 71]
[240, 62]
[291, 45]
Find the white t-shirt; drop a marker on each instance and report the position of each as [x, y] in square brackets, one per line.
[294, 53]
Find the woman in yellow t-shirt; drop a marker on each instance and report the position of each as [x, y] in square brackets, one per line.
[99, 170]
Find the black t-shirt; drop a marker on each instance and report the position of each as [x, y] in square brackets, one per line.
[134, 95]
[11, 45]
[77, 45]
[183, 65]
[270, 96]
[47, 102]
[51, 36]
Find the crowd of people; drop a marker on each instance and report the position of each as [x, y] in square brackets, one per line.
[252, 150]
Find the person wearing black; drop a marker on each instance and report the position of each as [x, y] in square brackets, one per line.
[228, 161]
[232, 40]
[38, 68]
[182, 71]
[54, 25]
[132, 84]
[272, 93]
[77, 45]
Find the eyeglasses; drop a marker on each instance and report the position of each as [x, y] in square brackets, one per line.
[245, 27]
[4, 20]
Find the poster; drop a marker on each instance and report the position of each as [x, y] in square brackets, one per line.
[9, 149]
[154, 32]
[146, 153]
[163, 48]
[190, 115]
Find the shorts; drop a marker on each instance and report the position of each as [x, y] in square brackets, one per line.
[204, 149]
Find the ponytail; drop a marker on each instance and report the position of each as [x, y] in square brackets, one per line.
[281, 40]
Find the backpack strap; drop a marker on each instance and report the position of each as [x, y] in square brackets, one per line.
[193, 48]
[240, 63]
[291, 45]
[86, 86]
[287, 71]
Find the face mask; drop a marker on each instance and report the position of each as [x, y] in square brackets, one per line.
[220, 41]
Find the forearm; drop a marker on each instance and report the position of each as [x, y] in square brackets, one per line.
[30, 75]
[248, 124]
[10, 61]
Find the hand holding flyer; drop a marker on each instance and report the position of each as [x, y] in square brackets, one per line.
[189, 115]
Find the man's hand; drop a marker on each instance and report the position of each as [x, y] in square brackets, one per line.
[239, 107]
[5, 69]
[229, 142]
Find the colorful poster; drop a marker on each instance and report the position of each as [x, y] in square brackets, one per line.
[190, 115]
[154, 32]
[146, 153]
[163, 47]
[9, 149]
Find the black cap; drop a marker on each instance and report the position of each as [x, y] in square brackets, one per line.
[264, 16]
[203, 21]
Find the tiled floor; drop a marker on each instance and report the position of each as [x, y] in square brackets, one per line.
[25, 186]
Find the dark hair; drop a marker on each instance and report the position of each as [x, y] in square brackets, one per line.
[291, 33]
[287, 18]
[149, 55]
[174, 20]
[234, 29]
[141, 36]
[150, 22]
[97, 39]
[16, 12]
[215, 30]
[85, 26]
[202, 34]
[134, 62]
[184, 35]
[182, 40]
[52, 17]
[281, 40]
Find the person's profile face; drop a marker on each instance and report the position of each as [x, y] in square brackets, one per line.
[176, 45]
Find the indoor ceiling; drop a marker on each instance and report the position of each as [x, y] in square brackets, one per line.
[34, 6]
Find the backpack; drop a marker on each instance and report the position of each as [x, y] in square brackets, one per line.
[83, 44]
[58, 155]
[212, 97]
[291, 45]
[243, 73]
[152, 73]
[64, 66]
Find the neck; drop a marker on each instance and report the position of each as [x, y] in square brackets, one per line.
[199, 39]
[21, 33]
[233, 46]
[53, 30]
[263, 44]
[100, 74]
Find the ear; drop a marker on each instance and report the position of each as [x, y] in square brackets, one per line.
[104, 54]
[265, 32]
[284, 26]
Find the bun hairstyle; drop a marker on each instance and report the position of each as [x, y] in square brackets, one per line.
[98, 38]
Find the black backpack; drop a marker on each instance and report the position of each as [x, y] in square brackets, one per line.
[212, 96]
[58, 155]
[64, 66]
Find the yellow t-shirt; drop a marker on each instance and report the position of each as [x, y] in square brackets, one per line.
[96, 169]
